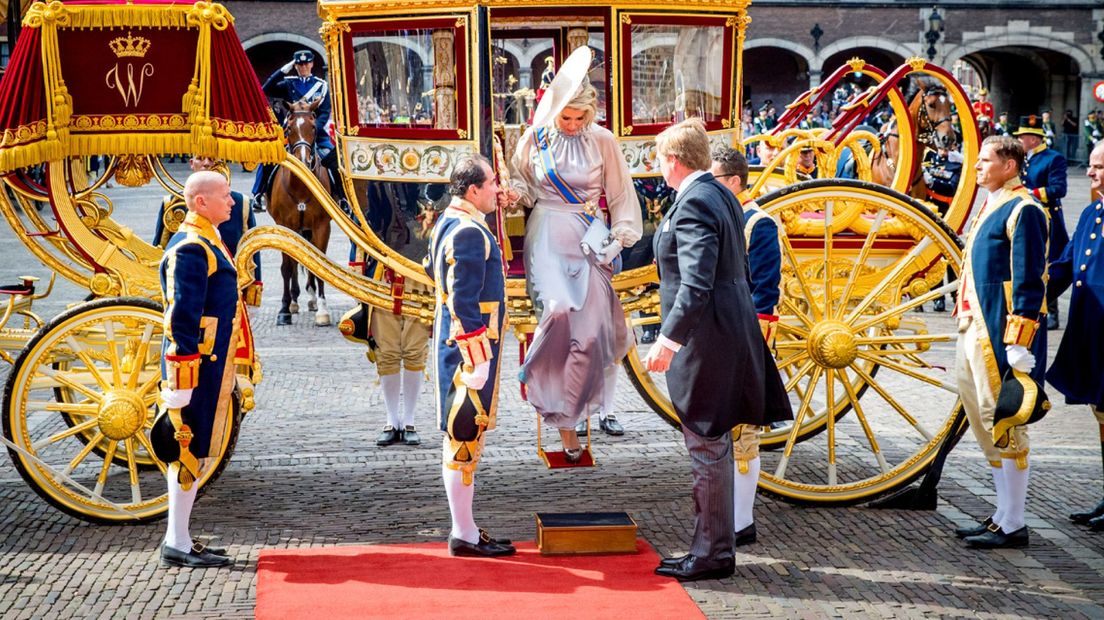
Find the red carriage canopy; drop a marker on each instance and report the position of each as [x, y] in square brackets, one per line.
[142, 78]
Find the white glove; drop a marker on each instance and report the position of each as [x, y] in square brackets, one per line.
[288, 67]
[1019, 357]
[476, 379]
[175, 399]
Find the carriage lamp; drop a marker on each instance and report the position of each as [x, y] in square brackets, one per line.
[935, 26]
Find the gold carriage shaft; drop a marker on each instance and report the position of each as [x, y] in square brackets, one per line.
[417, 85]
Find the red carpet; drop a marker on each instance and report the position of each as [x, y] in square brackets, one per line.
[422, 581]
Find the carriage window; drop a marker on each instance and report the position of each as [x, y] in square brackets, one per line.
[406, 78]
[525, 61]
[677, 73]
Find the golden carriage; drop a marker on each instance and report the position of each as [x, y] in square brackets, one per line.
[416, 85]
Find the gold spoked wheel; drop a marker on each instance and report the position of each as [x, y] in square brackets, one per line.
[850, 336]
[79, 403]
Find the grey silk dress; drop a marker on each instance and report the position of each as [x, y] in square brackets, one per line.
[582, 334]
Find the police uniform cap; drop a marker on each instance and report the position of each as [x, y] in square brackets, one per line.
[1030, 125]
[303, 56]
[1021, 401]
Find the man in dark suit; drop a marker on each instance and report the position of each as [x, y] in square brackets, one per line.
[719, 370]
[1044, 174]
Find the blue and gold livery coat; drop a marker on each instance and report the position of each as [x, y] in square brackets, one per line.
[465, 262]
[1006, 268]
[1079, 364]
[202, 329]
[764, 256]
[241, 220]
[1044, 175]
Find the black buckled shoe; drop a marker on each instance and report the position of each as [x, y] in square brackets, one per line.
[410, 436]
[581, 428]
[388, 436]
[975, 530]
[610, 425]
[498, 541]
[196, 557]
[648, 336]
[693, 568]
[745, 536]
[198, 544]
[999, 539]
[939, 305]
[1083, 518]
[1052, 321]
[485, 548]
[1096, 524]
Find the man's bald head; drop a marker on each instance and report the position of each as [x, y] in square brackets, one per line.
[207, 193]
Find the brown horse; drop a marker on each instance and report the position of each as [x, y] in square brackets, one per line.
[931, 111]
[293, 206]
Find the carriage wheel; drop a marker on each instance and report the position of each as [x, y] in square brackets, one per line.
[850, 336]
[653, 389]
[103, 359]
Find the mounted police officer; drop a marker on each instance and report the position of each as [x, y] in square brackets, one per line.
[465, 262]
[1044, 174]
[303, 85]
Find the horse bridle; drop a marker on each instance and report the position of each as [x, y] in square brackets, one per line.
[927, 127]
[312, 146]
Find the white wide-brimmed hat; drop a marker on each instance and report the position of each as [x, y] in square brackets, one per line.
[569, 79]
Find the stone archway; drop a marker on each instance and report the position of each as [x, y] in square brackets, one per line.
[269, 51]
[778, 74]
[884, 50]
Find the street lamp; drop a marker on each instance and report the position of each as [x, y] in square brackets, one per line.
[935, 26]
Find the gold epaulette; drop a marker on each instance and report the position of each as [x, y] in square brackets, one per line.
[475, 348]
[182, 371]
[1020, 330]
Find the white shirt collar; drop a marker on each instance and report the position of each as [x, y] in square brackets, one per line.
[690, 179]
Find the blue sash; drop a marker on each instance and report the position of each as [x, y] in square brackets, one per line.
[569, 195]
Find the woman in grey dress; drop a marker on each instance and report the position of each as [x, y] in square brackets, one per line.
[566, 166]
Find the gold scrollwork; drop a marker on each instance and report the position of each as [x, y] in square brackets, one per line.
[331, 31]
[626, 18]
[40, 14]
[209, 13]
[626, 130]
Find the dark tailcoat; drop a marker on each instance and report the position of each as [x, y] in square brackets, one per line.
[202, 329]
[724, 374]
[1045, 175]
[466, 265]
[1078, 366]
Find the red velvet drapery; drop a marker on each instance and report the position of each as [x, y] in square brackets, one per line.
[22, 97]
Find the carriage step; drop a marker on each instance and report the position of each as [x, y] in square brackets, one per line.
[558, 459]
[583, 533]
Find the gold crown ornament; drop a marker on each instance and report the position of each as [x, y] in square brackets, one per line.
[130, 45]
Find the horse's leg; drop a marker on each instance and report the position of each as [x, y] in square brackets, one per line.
[294, 305]
[287, 268]
[321, 239]
[312, 290]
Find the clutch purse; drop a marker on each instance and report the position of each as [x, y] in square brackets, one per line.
[597, 242]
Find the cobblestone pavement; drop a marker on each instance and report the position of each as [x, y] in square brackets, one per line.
[307, 473]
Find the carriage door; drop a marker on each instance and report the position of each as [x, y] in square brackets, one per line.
[527, 48]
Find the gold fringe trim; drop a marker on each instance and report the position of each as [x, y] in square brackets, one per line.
[127, 15]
